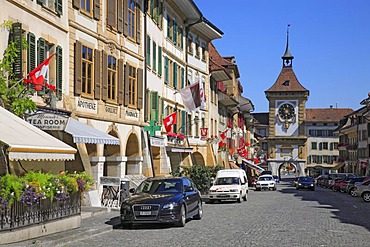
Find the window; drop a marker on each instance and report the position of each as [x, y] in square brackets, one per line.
[86, 6]
[131, 19]
[148, 44]
[154, 106]
[87, 70]
[54, 5]
[112, 78]
[314, 145]
[203, 52]
[190, 44]
[156, 9]
[325, 146]
[159, 61]
[197, 50]
[132, 85]
[169, 27]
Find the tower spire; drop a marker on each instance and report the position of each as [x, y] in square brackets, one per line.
[287, 57]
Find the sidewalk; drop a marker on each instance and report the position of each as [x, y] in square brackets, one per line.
[94, 221]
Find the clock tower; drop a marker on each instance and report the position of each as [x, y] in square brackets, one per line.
[287, 103]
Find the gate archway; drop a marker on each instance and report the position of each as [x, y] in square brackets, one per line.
[199, 159]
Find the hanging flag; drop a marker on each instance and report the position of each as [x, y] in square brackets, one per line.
[169, 121]
[191, 97]
[38, 74]
[243, 152]
[223, 134]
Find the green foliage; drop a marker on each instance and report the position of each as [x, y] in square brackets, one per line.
[11, 187]
[201, 175]
[44, 183]
[13, 94]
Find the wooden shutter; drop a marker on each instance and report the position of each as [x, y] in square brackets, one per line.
[97, 9]
[42, 2]
[168, 26]
[41, 56]
[148, 43]
[182, 38]
[161, 108]
[182, 77]
[76, 4]
[125, 17]
[78, 70]
[31, 52]
[127, 95]
[138, 24]
[160, 14]
[183, 122]
[159, 60]
[166, 70]
[152, 8]
[120, 81]
[59, 7]
[104, 76]
[154, 106]
[17, 39]
[140, 88]
[120, 16]
[59, 72]
[175, 75]
[111, 7]
[174, 35]
[97, 74]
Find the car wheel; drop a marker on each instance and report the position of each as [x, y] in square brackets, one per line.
[126, 225]
[366, 196]
[352, 192]
[199, 215]
[239, 200]
[182, 217]
[211, 201]
[245, 197]
[257, 189]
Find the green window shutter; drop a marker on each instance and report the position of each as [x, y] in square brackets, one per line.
[183, 122]
[175, 75]
[161, 108]
[182, 38]
[31, 52]
[159, 60]
[41, 56]
[59, 72]
[59, 7]
[154, 56]
[174, 32]
[182, 77]
[151, 8]
[148, 50]
[166, 70]
[168, 26]
[154, 106]
[17, 39]
[160, 14]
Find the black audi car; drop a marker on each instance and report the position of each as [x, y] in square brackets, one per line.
[162, 200]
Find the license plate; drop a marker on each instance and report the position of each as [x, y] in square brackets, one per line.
[223, 196]
[145, 213]
[306, 186]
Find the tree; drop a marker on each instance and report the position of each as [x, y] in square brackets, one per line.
[14, 94]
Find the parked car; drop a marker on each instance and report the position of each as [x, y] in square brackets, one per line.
[305, 183]
[266, 182]
[363, 190]
[277, 179]
[349, 184]
[162, 200]
[332, 176]
[337, 183]
[230, 184]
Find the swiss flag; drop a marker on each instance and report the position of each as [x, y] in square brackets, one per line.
[223, 134]
[169, 121]
[243, 151]
[38, 74]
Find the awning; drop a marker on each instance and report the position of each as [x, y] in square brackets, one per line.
[83, 133]
[179, 149]
[27, 142]
[251, 165]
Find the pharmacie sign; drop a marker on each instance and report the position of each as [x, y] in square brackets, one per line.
[48, 121]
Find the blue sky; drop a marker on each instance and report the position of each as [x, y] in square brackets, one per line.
[329, 39]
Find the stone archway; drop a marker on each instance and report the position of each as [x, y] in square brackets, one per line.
[133, 155]
[110, 154]
[199, 159]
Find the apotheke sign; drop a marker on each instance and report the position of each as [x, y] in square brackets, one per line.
[48, 121]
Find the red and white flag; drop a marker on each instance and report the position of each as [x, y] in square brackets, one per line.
[38, 74]
[169, 121]
[223, 134]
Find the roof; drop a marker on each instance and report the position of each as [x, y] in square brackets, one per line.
[262, 118]
[27, 142]
[326, 114]
[216, 57]
[287, 81]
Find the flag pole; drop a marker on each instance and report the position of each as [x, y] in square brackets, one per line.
[19, 81]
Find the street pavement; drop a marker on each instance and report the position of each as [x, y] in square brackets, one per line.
[286, 217]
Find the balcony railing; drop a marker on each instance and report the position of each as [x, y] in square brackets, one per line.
[21, 215]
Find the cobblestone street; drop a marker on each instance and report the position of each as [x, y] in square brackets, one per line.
[285, 217]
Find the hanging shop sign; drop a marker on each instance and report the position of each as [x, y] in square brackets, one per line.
[48, 121]
[203, 132]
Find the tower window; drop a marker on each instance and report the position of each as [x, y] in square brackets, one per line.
[286, 83]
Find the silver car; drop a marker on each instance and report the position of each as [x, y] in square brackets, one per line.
[363, 190]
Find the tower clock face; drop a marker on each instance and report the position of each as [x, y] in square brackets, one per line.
[286, 111]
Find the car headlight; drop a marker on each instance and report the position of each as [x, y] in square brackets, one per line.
[312, 184]
[170, 206]
[299, 184]
[234, 190]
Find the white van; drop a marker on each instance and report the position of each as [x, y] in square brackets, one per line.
[229, 184]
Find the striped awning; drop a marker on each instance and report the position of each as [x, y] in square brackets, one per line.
[253, 166]
[23, 141]
[83, 133]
